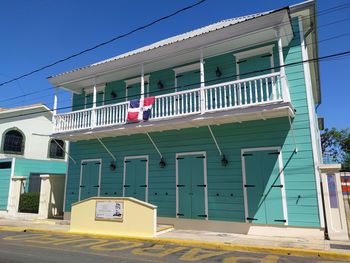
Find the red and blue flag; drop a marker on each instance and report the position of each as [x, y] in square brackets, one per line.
[140, 109]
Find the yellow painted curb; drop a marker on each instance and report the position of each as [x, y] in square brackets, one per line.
[204, 244]
[12, 228]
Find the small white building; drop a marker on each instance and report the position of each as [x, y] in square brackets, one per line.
[30, 161]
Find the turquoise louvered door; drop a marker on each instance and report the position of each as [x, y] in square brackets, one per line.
[184, 187]
[134, 91]
[90, 179]
[188, 80]
[88, 100]
[99, 98]
[272, 192]
[255, 188]
[135, 178]
[198, 187]
[263, 187]
[191, 187]
[252, 67]
[188, 102]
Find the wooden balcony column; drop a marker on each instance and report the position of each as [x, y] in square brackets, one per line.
[93, 113]
[202, 79]
[55, 102]
[54, 112]
[142, 82]
[284, 82]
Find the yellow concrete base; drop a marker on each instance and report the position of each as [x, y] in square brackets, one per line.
[243, 228]
[139, 218]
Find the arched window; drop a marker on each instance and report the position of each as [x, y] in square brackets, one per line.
[56, 149]
[13, 142]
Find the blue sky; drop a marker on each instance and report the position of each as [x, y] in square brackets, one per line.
[37, 32]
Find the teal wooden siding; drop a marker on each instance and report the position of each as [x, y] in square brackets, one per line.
[24, 167]
[5, 175]
[225, 190]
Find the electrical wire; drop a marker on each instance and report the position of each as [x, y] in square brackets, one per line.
[168, 79]
[320, 13]
[104, 43]
[323, 58]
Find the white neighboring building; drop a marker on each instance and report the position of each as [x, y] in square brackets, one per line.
[30, 161]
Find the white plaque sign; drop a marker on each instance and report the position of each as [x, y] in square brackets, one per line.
[109, 210]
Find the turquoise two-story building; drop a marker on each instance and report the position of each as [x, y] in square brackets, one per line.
[232, 143]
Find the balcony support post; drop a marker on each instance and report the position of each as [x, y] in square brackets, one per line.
[93, 113]
[55, 102]
[142, 95]
[142, 82]
[202, 79]
[54, 110]
[284, 83]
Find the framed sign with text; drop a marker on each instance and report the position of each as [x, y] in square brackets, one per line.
[109, 210]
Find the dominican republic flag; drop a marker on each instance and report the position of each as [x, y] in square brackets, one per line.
[140, 109]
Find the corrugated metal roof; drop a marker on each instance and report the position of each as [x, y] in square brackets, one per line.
[197, 32]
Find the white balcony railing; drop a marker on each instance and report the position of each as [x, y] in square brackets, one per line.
[247, 92]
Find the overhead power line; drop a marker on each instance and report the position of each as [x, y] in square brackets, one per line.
[320, 13]
[274, 53]
[323, 58]
[104, 43]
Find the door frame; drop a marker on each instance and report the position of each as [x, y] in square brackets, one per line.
[81, 175]
[137, 157]
[205, 180]
[281, 172]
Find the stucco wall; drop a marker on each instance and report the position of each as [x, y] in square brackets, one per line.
[36, 129]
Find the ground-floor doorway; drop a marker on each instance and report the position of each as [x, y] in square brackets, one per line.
[135, 182]
[90, 178]
[263, 183]
[191, 185]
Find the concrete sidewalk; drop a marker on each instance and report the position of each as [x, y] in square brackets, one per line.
[198, 237]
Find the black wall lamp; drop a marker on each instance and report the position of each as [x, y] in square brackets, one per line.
[160, 84]
[162, 163]
[218, 72]
[112, 166]
[224, 161]
[113, 95]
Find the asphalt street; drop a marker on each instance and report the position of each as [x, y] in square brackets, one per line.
[24, 247]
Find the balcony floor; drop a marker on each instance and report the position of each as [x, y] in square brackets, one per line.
[249, 113]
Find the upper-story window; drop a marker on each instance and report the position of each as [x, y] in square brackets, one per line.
[187, 77]
[56, 149]
[254, 62]
[100, 96]
[133, 88]
[13, 142]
